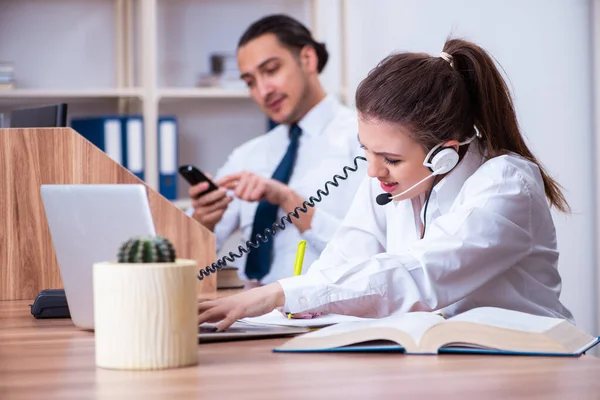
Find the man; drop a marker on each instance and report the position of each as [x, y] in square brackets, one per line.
[269, 176]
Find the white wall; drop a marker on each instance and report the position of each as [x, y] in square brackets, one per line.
[544, 47]
[327, 28]
[59, 44]
[595, 17]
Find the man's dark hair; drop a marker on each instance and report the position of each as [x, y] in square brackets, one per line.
[289, 32]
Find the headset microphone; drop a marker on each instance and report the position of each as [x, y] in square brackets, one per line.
[385, 198]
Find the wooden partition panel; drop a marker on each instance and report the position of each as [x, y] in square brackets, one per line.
[32, 157]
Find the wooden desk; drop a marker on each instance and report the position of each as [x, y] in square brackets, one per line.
[51, 359]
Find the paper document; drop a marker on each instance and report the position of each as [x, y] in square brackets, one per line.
[275, 317]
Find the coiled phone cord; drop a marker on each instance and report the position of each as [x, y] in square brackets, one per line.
[310, 202]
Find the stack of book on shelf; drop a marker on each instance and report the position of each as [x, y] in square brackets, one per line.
[121, 137]
[7, 79]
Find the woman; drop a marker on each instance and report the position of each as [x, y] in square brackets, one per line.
[469, 223]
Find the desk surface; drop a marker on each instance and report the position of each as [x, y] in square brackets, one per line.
[44, 359]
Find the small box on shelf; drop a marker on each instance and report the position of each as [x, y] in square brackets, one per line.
[223, 74]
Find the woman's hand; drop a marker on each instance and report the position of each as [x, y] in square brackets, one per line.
[252, 303]
[302, 315]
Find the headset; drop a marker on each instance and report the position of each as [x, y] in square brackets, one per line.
[440, 160]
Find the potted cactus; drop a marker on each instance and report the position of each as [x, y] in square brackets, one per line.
[145, 307]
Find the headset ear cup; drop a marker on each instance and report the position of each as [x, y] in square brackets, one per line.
[444, 160]
[429, 160]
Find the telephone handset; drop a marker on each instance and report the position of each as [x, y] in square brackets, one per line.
[310, 202]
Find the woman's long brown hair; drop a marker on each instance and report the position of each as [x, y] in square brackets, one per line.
[441, 100]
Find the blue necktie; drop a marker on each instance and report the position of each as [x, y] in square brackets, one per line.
[258, 261]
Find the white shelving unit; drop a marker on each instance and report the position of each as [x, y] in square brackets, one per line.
[201, 93]
[69, 94]
[145, 57]
[24, 97]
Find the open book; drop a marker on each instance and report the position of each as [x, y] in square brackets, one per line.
[482, 330]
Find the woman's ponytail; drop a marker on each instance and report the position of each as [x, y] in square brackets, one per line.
[492, 108]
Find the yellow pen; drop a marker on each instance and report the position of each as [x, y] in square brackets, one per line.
[299, 258]
[299, 261]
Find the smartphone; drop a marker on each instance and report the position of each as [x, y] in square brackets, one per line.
[194, 176]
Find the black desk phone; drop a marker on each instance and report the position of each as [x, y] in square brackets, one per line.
[50, 303]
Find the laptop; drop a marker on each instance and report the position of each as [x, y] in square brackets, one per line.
[88, 223]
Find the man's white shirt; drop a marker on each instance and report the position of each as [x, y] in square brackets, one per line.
[327, 144]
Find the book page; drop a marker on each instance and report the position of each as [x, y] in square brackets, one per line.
[508, 319]
[275, 317]
[413, 324]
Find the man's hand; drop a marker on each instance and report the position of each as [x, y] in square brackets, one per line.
[252, 303]
[252, 187]
[208, 208]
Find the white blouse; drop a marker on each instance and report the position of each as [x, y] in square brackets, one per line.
[489, 241]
